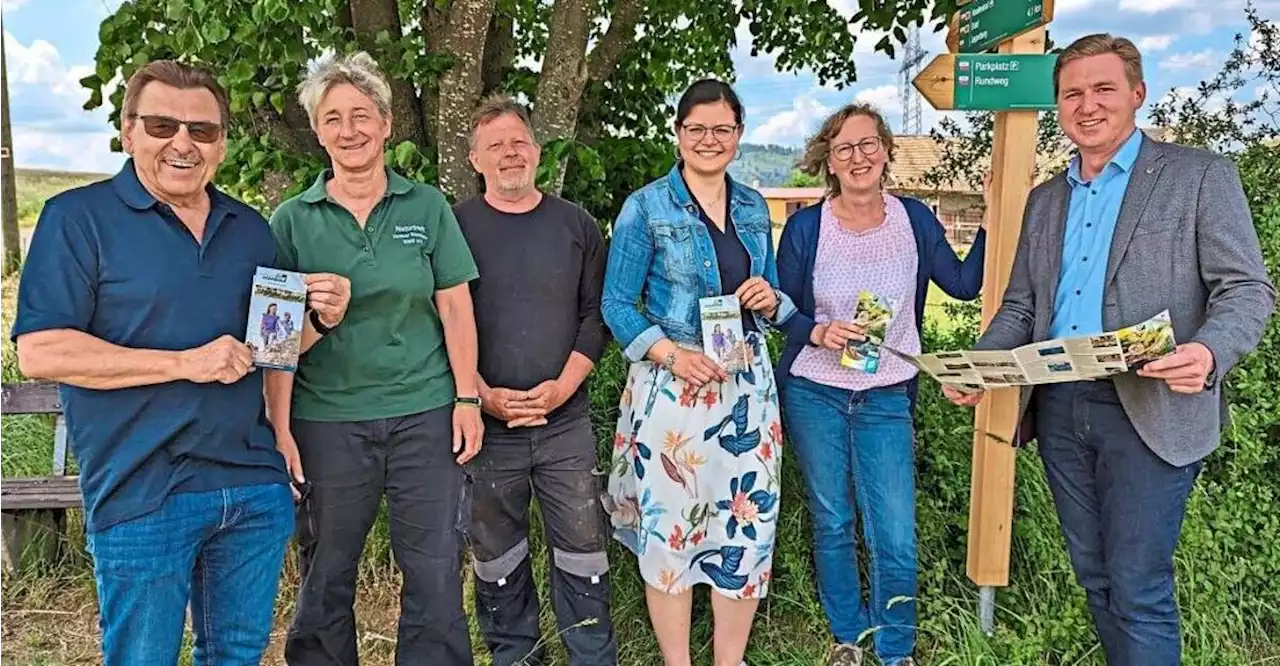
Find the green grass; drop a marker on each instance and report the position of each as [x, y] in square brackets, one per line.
[1042, 618]
[35, 186]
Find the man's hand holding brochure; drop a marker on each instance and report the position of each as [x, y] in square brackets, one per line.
[1052, 361]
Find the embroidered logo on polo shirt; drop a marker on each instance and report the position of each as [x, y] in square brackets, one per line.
[410, 234]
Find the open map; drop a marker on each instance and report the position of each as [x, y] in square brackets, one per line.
[1051, 361]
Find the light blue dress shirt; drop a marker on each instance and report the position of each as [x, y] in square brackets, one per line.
[1092, 211]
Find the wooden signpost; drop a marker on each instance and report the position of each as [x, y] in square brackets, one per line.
[1014, 82]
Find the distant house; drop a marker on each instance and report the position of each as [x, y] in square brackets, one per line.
[783, 201]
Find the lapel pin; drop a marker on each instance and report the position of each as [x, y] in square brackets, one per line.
[1150, 170]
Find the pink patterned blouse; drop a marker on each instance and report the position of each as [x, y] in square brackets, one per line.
[882, 260]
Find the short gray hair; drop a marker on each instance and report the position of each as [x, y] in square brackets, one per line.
[494, 107]
[358, 69]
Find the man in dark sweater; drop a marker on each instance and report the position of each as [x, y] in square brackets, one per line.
[537, 307]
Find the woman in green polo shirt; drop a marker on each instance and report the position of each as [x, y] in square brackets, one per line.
[385, 402]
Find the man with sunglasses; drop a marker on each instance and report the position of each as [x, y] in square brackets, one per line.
[134, 298]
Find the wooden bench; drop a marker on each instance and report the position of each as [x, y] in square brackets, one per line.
[35, 509]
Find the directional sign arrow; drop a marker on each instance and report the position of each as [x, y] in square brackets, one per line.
[988, 82]
[981, 25]
[937, 82]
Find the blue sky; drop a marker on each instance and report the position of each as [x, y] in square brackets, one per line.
[50, 45]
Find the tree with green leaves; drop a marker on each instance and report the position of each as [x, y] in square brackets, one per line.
[799, 178]
[601, 95]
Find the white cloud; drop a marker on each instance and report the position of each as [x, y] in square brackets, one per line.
[50, 127]
[1155, 43]
[791, 127]
[11, 6]
[885, 98]
[41, 66]
[1189, 60]
[1071, 6]
[39, 148]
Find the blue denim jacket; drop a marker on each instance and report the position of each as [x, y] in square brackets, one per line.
[661, 261]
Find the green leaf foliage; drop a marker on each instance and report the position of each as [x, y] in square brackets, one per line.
[261, 49]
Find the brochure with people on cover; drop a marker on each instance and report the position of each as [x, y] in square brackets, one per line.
[276, 308]
[722, 333]
[1052, 361]
[873, 314]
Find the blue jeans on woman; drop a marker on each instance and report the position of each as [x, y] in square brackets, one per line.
[855, 451]
[220, 550]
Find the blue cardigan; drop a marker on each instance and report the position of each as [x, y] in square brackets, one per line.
[798, 249]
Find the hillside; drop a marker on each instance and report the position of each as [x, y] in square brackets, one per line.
[34, 186]
[771, 165]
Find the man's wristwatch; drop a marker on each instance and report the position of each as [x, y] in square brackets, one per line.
[467, 401]
[319, 325]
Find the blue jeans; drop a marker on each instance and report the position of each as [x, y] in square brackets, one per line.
[221, 550]
[1121, 510]
[855, 451]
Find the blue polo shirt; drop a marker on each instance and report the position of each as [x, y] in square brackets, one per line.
[1092, 211]
[109, 260]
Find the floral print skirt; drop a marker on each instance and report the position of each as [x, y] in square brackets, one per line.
[694, 485]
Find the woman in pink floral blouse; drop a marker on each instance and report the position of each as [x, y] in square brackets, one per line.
[851, 426]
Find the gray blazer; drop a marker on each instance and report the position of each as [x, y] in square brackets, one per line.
[1185, 241]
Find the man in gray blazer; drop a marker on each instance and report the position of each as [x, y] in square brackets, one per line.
[1133, 227]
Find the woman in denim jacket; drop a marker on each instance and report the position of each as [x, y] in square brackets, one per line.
[694, 483]
[851, 427]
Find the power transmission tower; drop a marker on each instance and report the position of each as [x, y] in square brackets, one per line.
[912, 59]
[8, 197]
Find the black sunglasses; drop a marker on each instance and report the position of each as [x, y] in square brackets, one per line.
[164, 127]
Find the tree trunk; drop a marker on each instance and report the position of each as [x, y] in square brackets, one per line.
[434, 20]
[499, 49]
[564, 73]
[459, 92]
[368, 18]
[9, 206]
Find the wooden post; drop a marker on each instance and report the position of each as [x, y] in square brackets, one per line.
[9, 231]
[967, 82]
[991, 501]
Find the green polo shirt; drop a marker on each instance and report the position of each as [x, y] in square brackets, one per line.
[387, 358]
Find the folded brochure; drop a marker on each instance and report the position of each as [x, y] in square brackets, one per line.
[1053, 361]
[873, 313]
[722, 334]
[275, 318]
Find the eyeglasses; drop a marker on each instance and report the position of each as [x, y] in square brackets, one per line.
[868, 147]
[164, 127]
[722, 133]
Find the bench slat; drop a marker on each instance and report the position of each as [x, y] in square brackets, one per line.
[46, 501]
[30, 398]
[17, 494]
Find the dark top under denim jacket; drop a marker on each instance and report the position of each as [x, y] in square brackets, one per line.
[661, 261]
[936, 261]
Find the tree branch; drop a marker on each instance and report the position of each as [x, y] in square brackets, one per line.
[459, 91]
[369, 17]
[621, 34]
